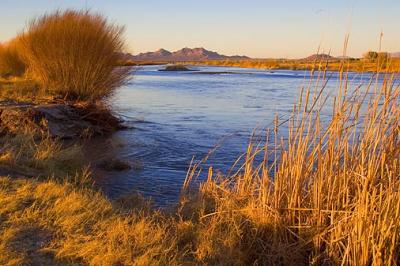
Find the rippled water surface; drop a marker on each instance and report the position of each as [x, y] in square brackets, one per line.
[177, 115]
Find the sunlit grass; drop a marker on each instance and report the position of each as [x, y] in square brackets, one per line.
[332, 195]
[22, 90]
[74, 54]
[27, 155]
[329, 193]
[68, 224]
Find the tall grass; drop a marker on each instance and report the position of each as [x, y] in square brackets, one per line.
[329, 193]
[74, 54]
[11, 64]
[330, 196]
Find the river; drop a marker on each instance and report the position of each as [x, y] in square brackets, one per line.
[175, 116]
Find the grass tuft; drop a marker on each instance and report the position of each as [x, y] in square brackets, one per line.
[74, 54]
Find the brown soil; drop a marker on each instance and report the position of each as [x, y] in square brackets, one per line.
[64, 121]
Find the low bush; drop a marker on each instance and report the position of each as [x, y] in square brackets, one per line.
[74, 54]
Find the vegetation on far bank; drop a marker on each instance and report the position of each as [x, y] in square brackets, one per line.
[329, 194]
[353, 65]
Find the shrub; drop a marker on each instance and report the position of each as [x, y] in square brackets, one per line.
[11, 64]
[74, 54]
[370, 55]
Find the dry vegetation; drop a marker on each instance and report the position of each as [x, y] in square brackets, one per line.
[355, 65]
[331, 195]
[27, 155]
[11, 64]
[69, 54]
[74, 54]
[22, 90]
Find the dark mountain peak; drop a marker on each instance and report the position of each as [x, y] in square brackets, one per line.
[197, 54]
[200, 50]
[187, 50]
[163, 52]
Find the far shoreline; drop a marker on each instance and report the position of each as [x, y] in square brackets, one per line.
[356, 66]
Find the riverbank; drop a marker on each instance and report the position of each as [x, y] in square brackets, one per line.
[328, 195]
[43, 135]
[353, 65]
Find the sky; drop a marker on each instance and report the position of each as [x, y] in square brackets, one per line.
[256, 28]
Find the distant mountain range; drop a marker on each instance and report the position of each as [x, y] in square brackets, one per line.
[185, 54]
[201, 54]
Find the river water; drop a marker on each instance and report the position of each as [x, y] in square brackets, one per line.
[175, 116]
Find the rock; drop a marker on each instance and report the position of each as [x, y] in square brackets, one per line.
[114, 165]
[58, 120]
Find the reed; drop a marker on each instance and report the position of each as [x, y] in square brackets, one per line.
[330, 196]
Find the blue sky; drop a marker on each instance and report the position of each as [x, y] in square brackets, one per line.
[257, 28]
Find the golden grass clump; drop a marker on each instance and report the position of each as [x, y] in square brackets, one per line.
[11, 64]
[74, 54]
